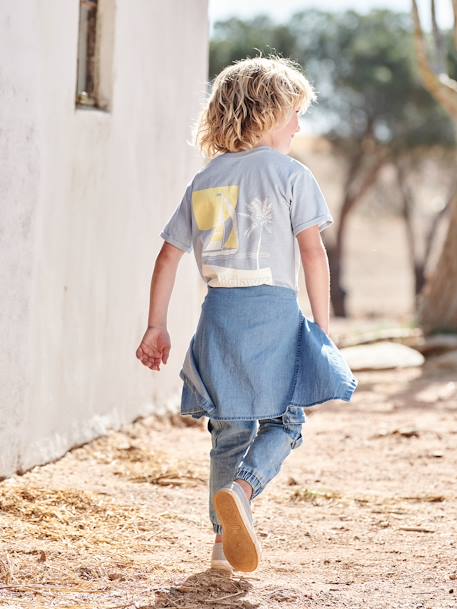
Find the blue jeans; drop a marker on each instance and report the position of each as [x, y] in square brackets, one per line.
[250, 450]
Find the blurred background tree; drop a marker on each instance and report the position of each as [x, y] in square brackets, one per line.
[437, 309]
[373, 108]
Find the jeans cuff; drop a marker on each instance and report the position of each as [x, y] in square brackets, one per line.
[248, 476]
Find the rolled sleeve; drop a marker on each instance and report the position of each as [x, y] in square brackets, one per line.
[308, 206]
[178, 229]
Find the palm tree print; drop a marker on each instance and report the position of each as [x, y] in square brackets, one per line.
[261, 216]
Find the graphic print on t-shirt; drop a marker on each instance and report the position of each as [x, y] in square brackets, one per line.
[261, 216]
[215, 211]
[213, 207]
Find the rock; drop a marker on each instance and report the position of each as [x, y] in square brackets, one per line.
[382, 355]
[409, 336]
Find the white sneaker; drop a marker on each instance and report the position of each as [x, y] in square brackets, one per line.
[218, 560]
[240, 544]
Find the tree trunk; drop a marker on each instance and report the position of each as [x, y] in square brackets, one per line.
[437, 304]
[355, 189]
[407, 198]
[337, 292]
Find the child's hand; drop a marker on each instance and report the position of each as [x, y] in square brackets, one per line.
[155, 347]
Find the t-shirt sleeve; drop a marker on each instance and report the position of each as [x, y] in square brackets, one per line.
[308, 206]
[178, 229]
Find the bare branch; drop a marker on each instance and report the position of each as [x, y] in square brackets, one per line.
[454, 7]
[440, 47]
[443, 88]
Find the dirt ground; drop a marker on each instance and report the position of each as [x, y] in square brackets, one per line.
[362, 514]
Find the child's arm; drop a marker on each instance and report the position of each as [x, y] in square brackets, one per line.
[155, 345]
[317, 274]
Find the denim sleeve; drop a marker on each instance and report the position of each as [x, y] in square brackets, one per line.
[308, 206]
[178, 229]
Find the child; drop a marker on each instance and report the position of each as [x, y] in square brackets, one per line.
[255, 361]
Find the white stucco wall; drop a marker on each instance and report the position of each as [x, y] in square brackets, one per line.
[84, 195]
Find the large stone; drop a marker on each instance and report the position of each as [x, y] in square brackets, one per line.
[382, 355]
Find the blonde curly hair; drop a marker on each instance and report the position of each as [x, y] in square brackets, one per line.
[248, 98]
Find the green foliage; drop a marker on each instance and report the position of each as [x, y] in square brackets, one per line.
[236, 39]
[363, 68]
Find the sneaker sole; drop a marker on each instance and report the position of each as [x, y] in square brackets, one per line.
[240, 546]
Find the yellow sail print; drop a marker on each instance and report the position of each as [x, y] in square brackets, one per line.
[215, 210]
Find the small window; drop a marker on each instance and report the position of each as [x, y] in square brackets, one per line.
[95, 44]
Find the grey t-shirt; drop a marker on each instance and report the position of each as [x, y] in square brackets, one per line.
[240, 215]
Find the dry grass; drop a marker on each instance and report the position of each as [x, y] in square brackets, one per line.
[66, 546]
